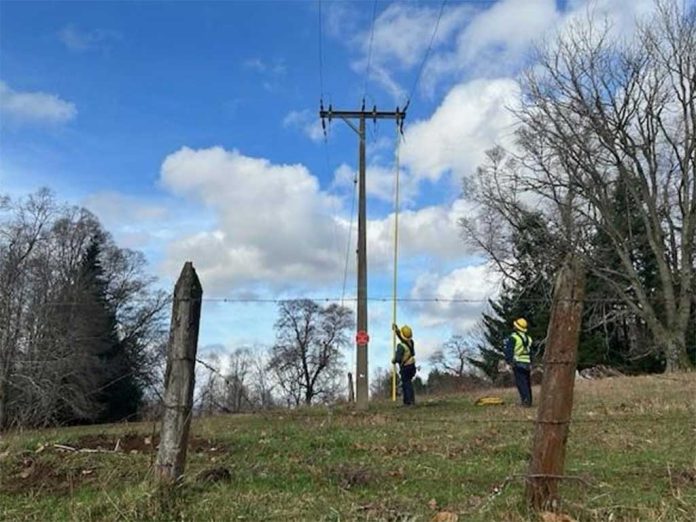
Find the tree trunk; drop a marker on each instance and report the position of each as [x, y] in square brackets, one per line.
[676, 355]
[3, 402]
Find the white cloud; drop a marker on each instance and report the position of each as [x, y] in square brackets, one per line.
[472, 286]
[273, 68]
[621, 15]
[431, 232]
[80, 40]
[472, 118]
[274, 226]
[380, 182]
[470, 41]
[402, 33]
[135, 222]
[34, 107]
[494, 42]
[307, 121]
[270, 73]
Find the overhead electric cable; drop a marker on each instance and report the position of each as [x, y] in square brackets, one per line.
[321, 57]
[369, 52]
[427, 54]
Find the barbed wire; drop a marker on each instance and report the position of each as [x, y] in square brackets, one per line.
[338, 299]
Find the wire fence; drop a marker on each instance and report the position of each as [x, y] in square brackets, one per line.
[339, 299]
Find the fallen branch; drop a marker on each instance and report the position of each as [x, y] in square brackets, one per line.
[64, 447]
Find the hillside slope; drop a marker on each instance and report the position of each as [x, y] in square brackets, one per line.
[631, 443]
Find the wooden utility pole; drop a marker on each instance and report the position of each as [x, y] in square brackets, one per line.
[179, 379]
[362, 338]
[556, 404]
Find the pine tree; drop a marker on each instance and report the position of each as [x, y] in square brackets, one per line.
[118, 394]
[526, 293]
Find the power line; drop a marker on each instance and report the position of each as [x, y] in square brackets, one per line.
[321, 57]
[369, 52]
[427, 54]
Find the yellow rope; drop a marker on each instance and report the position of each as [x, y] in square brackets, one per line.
[396, 256]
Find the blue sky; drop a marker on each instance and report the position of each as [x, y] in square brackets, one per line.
[190, 129]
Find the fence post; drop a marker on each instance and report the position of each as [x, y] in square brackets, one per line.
[179, 379]
[556, 403]
[351, 389]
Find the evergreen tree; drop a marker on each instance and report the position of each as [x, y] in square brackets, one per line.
[525, 293]
[119, 394]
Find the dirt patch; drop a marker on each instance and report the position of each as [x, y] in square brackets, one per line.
[33, 475]
[349, 477]
[212, 475]
[683, 478]
[139, 443]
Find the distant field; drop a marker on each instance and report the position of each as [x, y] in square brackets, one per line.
[633, 441]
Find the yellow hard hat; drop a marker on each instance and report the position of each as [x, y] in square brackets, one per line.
[406, 332]
[520, 324]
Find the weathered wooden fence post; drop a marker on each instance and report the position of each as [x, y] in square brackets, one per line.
[351, 389]
[556, 404]
[179, 379]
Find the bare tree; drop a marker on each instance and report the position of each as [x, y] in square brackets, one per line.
[238, 393]
[53, 363]
[22, 231]
[607, 147]
[455, 355]
[306, 358]
[262, 384]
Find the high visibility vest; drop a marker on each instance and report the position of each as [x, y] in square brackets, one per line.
[523, 345]
[408, 357]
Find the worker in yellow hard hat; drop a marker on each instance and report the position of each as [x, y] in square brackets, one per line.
[405, 357]
[518, 354]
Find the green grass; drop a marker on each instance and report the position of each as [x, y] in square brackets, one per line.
[632, 442]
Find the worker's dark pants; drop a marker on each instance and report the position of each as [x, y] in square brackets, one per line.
[408, 372]
[523, 381]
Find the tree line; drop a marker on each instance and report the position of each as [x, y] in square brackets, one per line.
[603, 166]
[81, 324]
[83, 331]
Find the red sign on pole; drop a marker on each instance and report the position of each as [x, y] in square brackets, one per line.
[362, 338]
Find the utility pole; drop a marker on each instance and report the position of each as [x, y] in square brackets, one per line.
[362, 338]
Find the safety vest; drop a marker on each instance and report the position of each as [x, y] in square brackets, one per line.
[408, 356]
[523, 343]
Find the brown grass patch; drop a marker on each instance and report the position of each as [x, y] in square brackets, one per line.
[349, 477]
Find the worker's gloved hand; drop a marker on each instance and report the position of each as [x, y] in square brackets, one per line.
[395, 328]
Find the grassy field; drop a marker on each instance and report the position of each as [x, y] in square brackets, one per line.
[633, 441]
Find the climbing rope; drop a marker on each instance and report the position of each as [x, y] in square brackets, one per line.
[396, 252]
